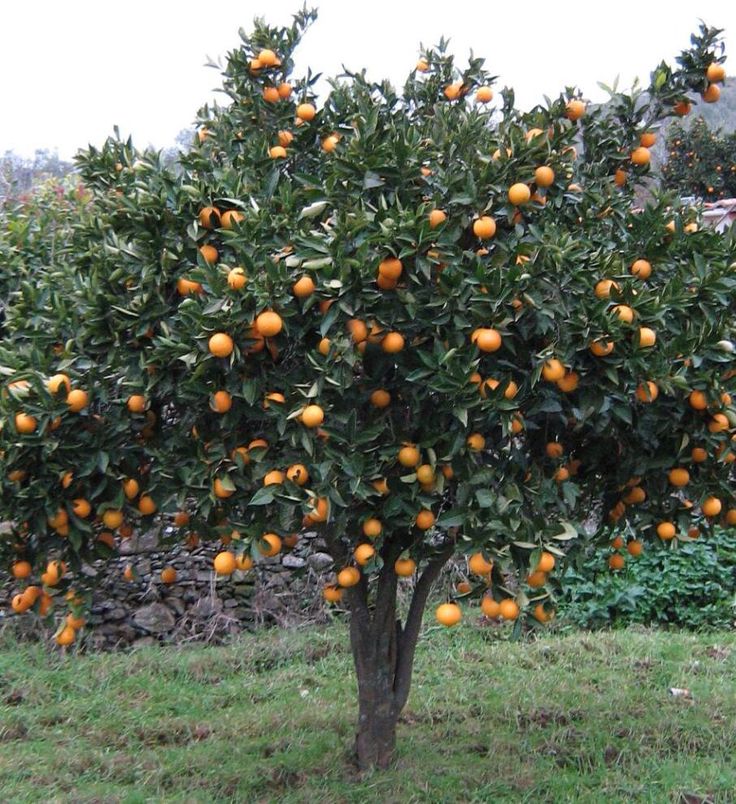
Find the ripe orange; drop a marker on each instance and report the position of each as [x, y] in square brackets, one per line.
[268, 58]
[647, 139]
[209, 217]
[274, 478]
[332, 594]
[635, 496]
[624, 313]
[66, 636]
[271, 95]
[320, 509]
[380, 398]
[448, 614]
[453, 91]
[390, 268]
[635, 548]
[487, 339]
[647, 391]
[53, 384]
[221, 344]
[731, 516]
[554, 449]
[508, 609]
[21, 569]
[436, 218]
[136, 403]
[546, 563]
[682, 108]
[425, 474]
[269, 545]
[380, 485]
[566, 384]
[641, 269]
[616, 562]
[77, 400]
[484, 95]
[574, 110]
[392, 342]
[405, 567]
[698, 455]
[243, 562]
[666, 530]
[209, 254]
[372, 527]
[490, 607]
[363, 553]
[711, 506]
[269, 324]
[425, 519]
[641, 156]
[712, 94]
[349, 576]
[519, 194]
[553, 370]
[476, 442]
[679, 477]
[422, 65]
[647, 337]
[306, 112]
[544, 176]
[224, 563]
[715, 73]
[168, 575]
[285, 138]
[231, 218]
[222, 401]
[312, 416]
[277, 152]
[181, 519]
[698, 400]
[112, 518]
[409, 456]
[81, 508]
[718, 424]
[541, 614]
[484, 228]
[604, 288]
[303, 287]
[186, 287]
[536, 580]
[25, 424]
[146, 505]
[75, 622]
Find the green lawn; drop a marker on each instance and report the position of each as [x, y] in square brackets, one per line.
[583, 717]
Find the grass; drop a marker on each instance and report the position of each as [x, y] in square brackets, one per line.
[581, 717]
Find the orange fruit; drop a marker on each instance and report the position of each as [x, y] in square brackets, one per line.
[484, 94]
[390, 268]
[222, 401]
[436, 218]
[544, 176]
[453, 91]
[604, 288]
[231, 218]
[168, 575]
[635, 547]
[616, 562]
[53, 384]
[698, 455]
[484, 228]
[75, 622]
[490, 607]
[641, 269]
[666, 530]
[718, 424]
[136, 403]
[682, 108]
[332, 594]
[21, 569]
[541, 614]
[546, 563]
[306, 112]
[224, 563]
[425, 519]
[476, 442]
[635, 496]
[647, 337]
[647, 139]
[617, 543]
[285, 138]
[392, 342]
[221, 344]
[380, 485]
[508, 609]
[363, 553]
[81, 508]
[303, 287]
[568, 383]
[209, 254]
[554, 449]
[209, 217]
[77, 400]
[553, 370]
[271, 95]
[66, 636]
[679, 477]
[731, 516]
[185, 287]
[25, 424]
[269, 324]
[269, 545]
[647, 391]
[715, 73]
[711, 94]
[409, 456]
[274, 478]
[478, 564]
[624, 313]
[519, 194]
[711, 506]
[112, 518]
[372, 527]
[487, 339]
[425, 474]
[277, 152]
[641, 156]
[698, 400]
[405, 567]
[574, 110]
[312, 416]
[536, 580]
[380, 398]
[347, 577]
[448, 614]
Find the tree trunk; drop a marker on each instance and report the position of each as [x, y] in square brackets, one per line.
[383, 652]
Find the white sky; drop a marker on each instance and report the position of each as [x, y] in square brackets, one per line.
[74, 68]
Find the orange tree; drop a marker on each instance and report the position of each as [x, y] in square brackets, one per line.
[418, 326]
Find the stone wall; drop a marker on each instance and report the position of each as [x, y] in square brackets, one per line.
[199, 605]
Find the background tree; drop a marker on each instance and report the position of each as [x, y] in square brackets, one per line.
[700, 162]
[418, 331]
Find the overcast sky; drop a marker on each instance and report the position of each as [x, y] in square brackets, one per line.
[74, 68]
